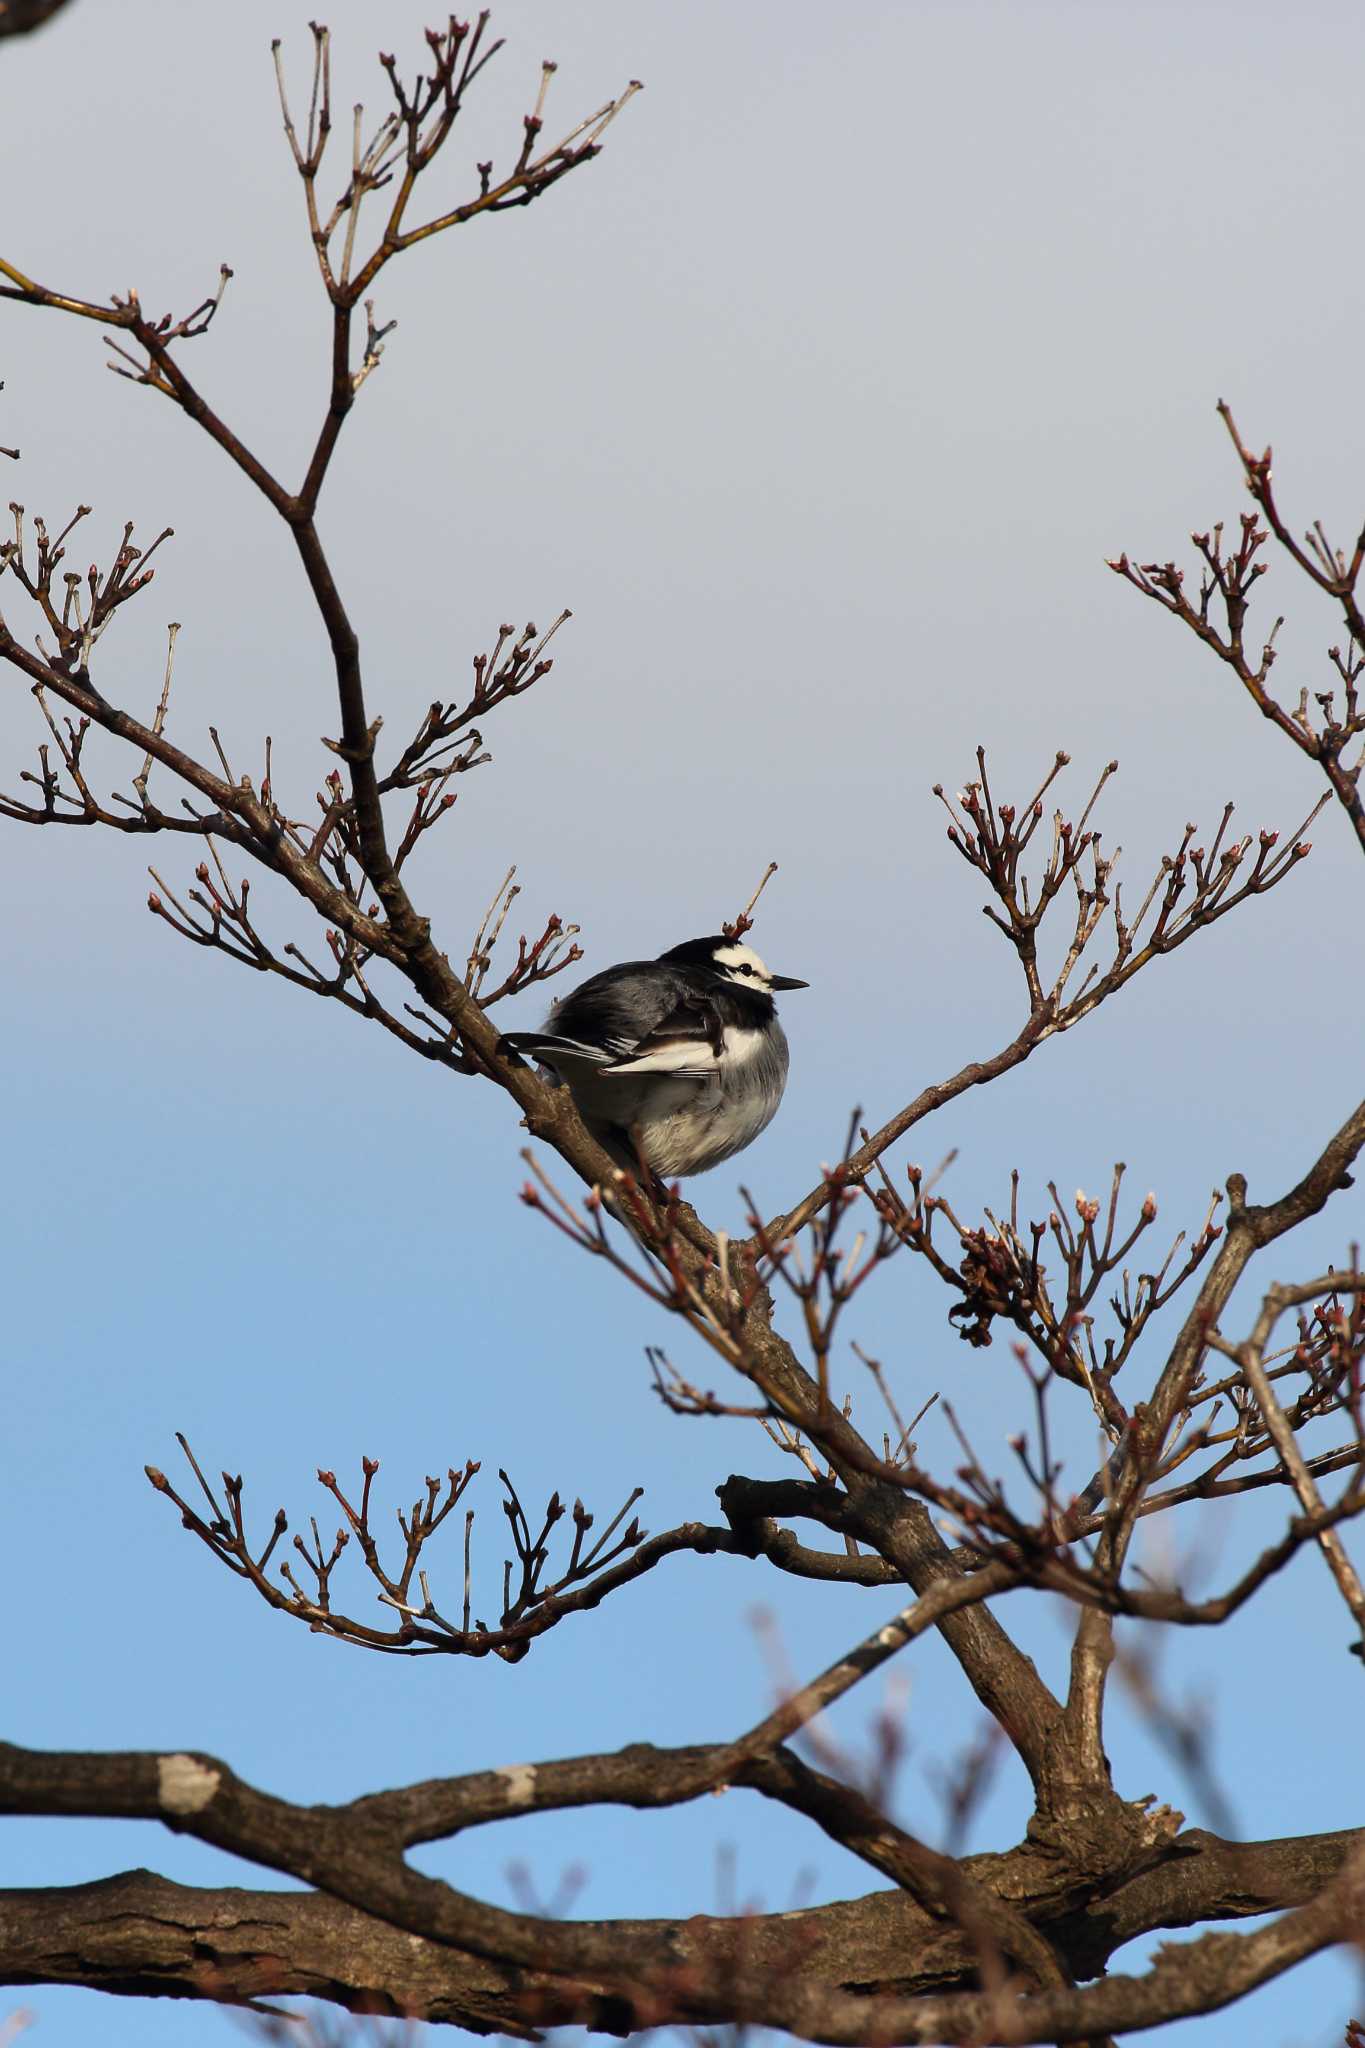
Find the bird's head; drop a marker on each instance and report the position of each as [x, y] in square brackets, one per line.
[733, 961]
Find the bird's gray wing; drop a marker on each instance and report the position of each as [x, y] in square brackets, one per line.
[688, 1041]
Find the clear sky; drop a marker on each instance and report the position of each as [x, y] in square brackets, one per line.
[820, 399]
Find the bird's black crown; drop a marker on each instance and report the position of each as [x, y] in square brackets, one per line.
[697, 952]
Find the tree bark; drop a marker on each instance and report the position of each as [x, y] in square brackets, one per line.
[142, 1936]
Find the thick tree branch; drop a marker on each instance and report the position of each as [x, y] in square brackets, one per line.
[938, 1883]
[139, 1935]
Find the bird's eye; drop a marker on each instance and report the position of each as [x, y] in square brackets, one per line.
[745, 968]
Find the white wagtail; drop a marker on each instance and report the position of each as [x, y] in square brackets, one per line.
[683, 1053]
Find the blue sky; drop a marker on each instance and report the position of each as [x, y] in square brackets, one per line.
[820, 399]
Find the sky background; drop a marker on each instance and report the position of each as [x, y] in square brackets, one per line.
[821, 399]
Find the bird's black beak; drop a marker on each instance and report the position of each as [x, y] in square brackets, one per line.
[787, 981]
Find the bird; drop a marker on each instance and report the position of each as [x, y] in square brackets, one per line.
[682, 1055]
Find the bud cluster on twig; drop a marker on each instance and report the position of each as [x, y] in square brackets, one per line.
[77, 613]
[530, 1606]
[1218, 619]
[1193, 887]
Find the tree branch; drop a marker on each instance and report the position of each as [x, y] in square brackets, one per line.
[141, 1936]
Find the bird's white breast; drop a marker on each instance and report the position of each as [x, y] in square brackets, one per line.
[742, 1044]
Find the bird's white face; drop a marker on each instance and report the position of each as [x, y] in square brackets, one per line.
[742, 965]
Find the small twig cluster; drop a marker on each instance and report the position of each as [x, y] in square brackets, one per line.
[1193, 887]
[73, 801]
[1001, 1274]
[1329, 1360]
[217, 913]
[77, 613]
[532, 1551]
[530, 1606]
[1218, 616]
[221, 918]
[404, 143]
[823, 1276]
[537, 959]
[163, 331]
[446, 741]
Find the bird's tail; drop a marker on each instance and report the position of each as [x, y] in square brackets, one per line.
[551, 1049]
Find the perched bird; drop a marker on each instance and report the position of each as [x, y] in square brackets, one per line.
[684, 1052]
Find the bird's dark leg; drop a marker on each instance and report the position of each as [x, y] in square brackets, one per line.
[637, 1163]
